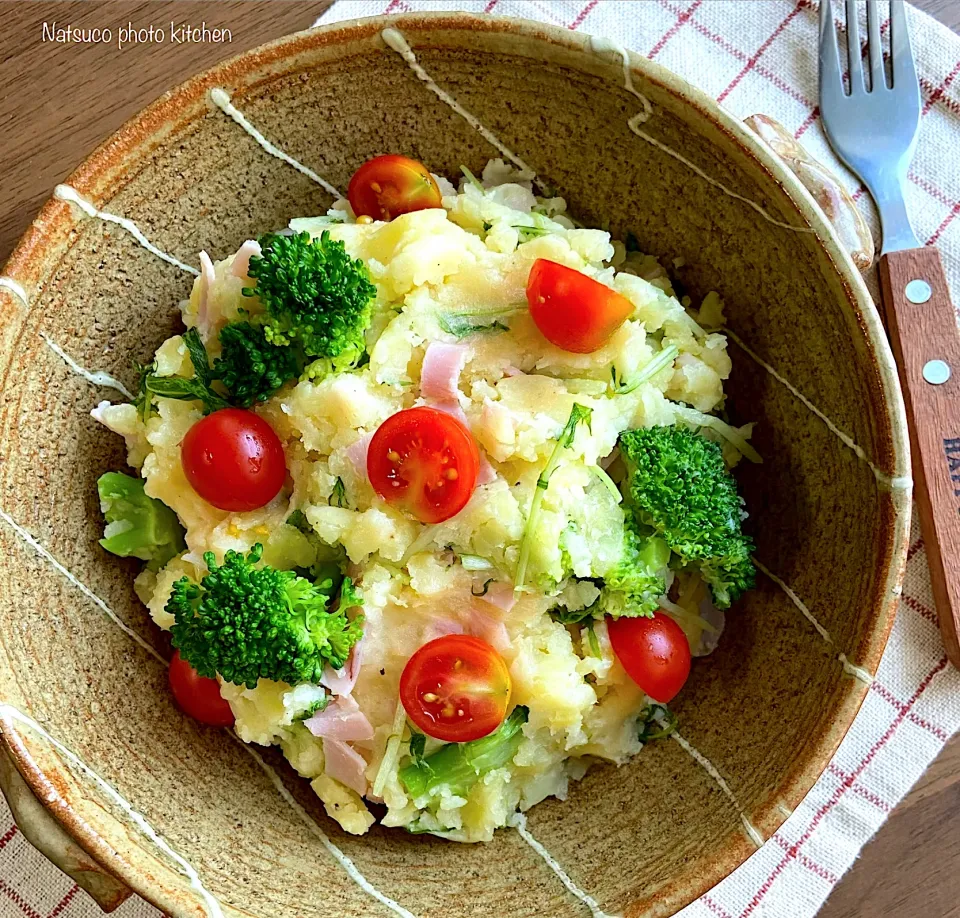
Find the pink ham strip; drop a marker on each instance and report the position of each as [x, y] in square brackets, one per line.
[341, 720]
[241, 261]
[345, 764]
[439, 627]
[501, 595]
[487, 472]
[207, 278]
[442, 366]
[489, 628]
[342, 681]
[356, 454]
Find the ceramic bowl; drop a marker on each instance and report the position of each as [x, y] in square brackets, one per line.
[767, 709]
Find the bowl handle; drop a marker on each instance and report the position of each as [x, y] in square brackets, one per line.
[51, 839]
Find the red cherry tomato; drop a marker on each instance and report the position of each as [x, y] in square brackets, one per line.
[456, 688]
[574, 311]
[234, 460]
[425, 462]
[197, 696]
[388, 186]
[654, 652]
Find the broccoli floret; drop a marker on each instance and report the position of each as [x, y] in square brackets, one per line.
[635, 584]
[246, 623]
[679, 486]
[138, 526]
[250, 367]
[458, 766]
[316, 296]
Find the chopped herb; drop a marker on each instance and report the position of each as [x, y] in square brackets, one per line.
[462, 324]
[593, 640]
[486, 586]
[475, 563]
[418, 743]
[298, 519]
[179, 387]
[339, 496]
[578, 413]
[527, 233]
[487, 226]
[567, 617]
[660, 362]
[656, 722]
[471, 178]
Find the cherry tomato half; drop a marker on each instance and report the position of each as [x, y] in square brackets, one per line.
[425, 462]
[234, 460]
[571, 310]
[456, 688]
[654, 652]
[388, 186]
[197, 696]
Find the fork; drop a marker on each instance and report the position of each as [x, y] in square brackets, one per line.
[874, 131]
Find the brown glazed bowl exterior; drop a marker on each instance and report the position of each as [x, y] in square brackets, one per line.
[768, 708]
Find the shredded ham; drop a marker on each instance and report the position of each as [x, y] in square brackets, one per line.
[488, 627]
[356, 454]
[501, 595]
[207, 278]
[341, 720]
[442, 366]
[342, 681]
[345, 764]
[513, 371]
[439, 627]
[487, 473]
[241, 261]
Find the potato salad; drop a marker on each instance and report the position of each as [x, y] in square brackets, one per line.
[434, 493]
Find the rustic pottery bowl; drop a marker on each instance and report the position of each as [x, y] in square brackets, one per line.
[767, 709]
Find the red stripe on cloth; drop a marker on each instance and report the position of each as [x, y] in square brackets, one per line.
[586, 11]
[16, 898]
[716, 909]
[807, 122]
[861, 791]
[489, 7]
[921, 609]
[5, 839]
[939, 92]
[890, 698]
[818, 869]
[681, 19]
[947, 220]
[913, 549]
[752, 62]
[847, 783]
[64, 902]
[391, 6]
[930, 188]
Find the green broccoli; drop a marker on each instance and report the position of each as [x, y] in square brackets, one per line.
[679, 486]
[316, 297]
[459, 766]
[138, 526]
[250, 367]
[635, 584]
[247, 623]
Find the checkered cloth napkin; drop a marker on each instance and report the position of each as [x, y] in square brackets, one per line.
[752, 57]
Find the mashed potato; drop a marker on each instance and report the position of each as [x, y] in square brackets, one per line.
[516, 392]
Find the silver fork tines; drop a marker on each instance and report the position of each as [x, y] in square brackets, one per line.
[874, 131]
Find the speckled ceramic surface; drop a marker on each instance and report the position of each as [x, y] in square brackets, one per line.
[768, 708]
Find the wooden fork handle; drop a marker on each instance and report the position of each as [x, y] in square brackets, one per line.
[922, 323]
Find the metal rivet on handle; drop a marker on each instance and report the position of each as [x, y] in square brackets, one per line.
[918, 291]
[936, 372]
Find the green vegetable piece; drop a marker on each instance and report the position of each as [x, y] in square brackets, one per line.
[578, 414]
[138, 526]
[659, 362]
[485, 321]
[317, 297]
[460, 765]
[338, 497]
[250, 367]
[657, 721]
[679, 486]
[247, 623]
[636, 583]
[196, 388]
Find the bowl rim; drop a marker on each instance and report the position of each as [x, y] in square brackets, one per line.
[186, 103]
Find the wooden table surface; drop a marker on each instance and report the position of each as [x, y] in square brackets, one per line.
[58, 102]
